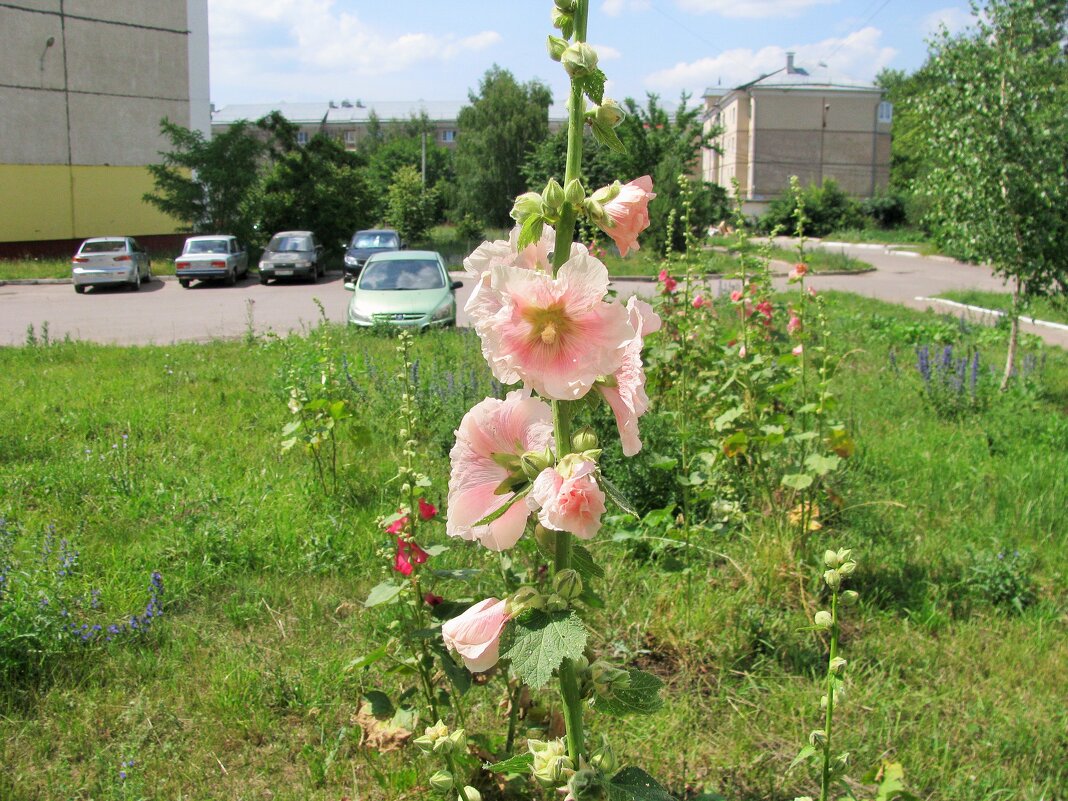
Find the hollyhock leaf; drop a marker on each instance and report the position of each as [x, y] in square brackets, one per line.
[640, 697]
[663, 463]
[520, 763]
[802, 755]
[540, 641]
[381, 706]
[797, 481]
[459, 574]
[634, 784]
[593, 86]
[616, 495]
[366, 660]
[422, 634]
[729, 417]
[608, 137]
[435, 550]
[582, 561]
[530, 232]
[457, 674]
[822, 465]
[383, 593]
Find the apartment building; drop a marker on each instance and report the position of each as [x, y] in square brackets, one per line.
[83, 87]
[791, 122]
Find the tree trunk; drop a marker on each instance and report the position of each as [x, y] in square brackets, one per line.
[1014, 338]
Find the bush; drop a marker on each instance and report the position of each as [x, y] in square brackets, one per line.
[827, 208]
[886, 210]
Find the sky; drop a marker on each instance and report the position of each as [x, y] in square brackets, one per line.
[266, 51]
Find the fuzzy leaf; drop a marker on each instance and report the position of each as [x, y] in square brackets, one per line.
[367, 659]
[593, 86]
[520, 763]
[531, 230]
[641, 697]
[381, 706]
[582, 561]
[485, 521]
[607, 136]
[822, 465]
[634, 784]
[802, 755]
[538, 642]
[383, 593]
[797, 481]
[616, 495]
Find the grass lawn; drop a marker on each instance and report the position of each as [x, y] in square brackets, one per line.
[169, 459]
[723, 263]
[11, 269]
[912, 238]
[1040, 308]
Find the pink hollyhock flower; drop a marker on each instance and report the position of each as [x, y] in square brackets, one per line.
[427, 511]
[736, 296]
[699, 301]
[398, 525]
[625, 389]
[628, 213]
[408, 554]
[488, 434]
[799, 272]
[741, 352]
[812, 292]
[794, 325]
[476, 634]
[765, 308]
[798, 350]
[555, 334]
[568, 497]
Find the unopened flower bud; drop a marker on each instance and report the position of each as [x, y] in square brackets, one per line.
[431, 737]
[553, 194]
[533, 463]
[574, 192]
[595, 211]
[844, 554]
[469, 794]
[458, 740]
[608, 678]
[584, 440]
[552, 766]
[830, 558]
[525, 205]
[568, 584]
[442, 781]
[818, 738]
[579, 60]
[566, 6]
[833, 579]
[610, 113]
[841, 762]
[849, 597]
[555, 44]
[846, 568]
[525, 598]
[608, 193]
[556, 603]
[604, 759]
[838, 665]
[823, 619]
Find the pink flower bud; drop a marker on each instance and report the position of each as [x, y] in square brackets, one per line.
[628, 214]
[736, 296]
[699, 301]
[798, 350]
[794, 325]
[476, 634]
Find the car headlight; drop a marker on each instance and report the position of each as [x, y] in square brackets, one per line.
[358, 315]
[442, 312]
[352, 261]
[265, 265]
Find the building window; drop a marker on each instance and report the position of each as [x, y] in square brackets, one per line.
[886, 111]
[302, 138]
[448, 136]
[350, 138]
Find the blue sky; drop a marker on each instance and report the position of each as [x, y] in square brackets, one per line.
[316, 50]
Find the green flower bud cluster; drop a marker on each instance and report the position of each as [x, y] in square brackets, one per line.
[563, 16]
[579, 60]
[552, 766]
[439, 740]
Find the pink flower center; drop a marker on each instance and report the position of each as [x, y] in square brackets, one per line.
[547, 325]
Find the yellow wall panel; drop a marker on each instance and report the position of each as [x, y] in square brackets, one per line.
[36, 203]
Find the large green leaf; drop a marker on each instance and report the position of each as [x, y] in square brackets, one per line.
[520, 763]
[539, 641]
[640, 697]
[383, 593]
[634, 784]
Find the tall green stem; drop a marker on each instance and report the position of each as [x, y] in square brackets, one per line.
[828, 721]
[565, 232]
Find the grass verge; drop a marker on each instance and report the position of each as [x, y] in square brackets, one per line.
[1039, 308]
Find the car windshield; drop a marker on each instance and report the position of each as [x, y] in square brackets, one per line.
[289, 244]
[411, 274]
[376, 240]
[109, 246]
[207, 246]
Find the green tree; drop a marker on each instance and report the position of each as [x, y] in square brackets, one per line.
[996, 136]
[204, 182]
[411, 208]
[406, 151]
[319, 188]
[503, 123]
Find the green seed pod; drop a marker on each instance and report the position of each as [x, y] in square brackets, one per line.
[850, 597]
[555, 44]
[442, 781]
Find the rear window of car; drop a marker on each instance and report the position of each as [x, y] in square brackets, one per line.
[207, 246]
[391, 275]
[107, 246]
[376, 240]
[282, 244]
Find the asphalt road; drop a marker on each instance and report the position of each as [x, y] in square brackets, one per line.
[162, 312]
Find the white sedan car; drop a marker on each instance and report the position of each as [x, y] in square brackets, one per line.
[105, 260]
[213, 257]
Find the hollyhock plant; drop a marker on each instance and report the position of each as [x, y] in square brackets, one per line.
[625, 389]
[793, 326]
[398, 525]
[558, 335]
[628, 214]
[427, 511]
[476, 634]
[495, 433]
[799, 271]
[569, 498]
[408, 554]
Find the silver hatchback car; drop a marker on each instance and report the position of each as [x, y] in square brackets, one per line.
[110, 260]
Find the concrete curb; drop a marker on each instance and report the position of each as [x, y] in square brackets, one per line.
[47, 281]
[994, 312]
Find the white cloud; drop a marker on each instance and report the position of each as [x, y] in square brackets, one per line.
[606, 52]
[954, 18]
[858, 56]
[613, 8]
[751, 8]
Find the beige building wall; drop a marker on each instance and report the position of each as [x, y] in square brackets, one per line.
[83, 87]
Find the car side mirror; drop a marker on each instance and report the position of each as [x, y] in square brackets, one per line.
[457, 284]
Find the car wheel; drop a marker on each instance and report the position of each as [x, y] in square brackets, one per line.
[148, 273]
[79, 288]
[184, 283]
[136, 283]
[231, 277]
[314, 276]
[263, 279]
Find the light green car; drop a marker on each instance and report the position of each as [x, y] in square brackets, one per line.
[406, 288]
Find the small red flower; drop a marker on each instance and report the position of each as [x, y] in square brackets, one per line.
[408, 554]
[427, 511]
[398, 525]
[432, 600]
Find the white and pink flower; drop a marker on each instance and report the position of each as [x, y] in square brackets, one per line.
[558, 335]
[628, 214]
[625, 389]
[568, 498]
[491, 430]
[476, 634]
